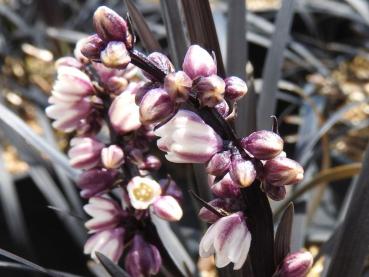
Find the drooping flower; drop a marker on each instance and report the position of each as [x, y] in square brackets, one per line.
[198, 63]
[124, 113]
[105, 213]
[112, 156]
[142, 192]
[85, 152]
[229, 239]
[296, 264]
[108, 242]
[96, 181]
[188, 139]
[143, 259]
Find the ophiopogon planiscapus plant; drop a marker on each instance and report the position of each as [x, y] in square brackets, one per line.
[187, 113]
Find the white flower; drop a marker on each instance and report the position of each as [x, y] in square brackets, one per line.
[143, 192]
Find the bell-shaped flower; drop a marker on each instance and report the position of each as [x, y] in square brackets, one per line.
[143, 259]
[142, 192]
[108, 242]
[198, 63]
[106, 214]
[188, 139]
[85, 152]
[96, 181]
[112, 156]
[124, 114]
[263, 145]
[282, 171]
[229, 239]
[296, 264]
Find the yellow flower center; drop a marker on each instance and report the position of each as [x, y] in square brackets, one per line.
[143, 192]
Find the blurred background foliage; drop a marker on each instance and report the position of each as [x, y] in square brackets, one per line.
[321, 90]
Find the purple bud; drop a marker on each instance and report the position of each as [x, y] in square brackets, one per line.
[151, 162]
[143, 259]
[162, 62]
[155, 106]
[198, 62]
[226, 188]
[223, 108]
[282, 171]
[178, 85]
[169, 187]
[115, 55]
[219, 204]
[145, 89]
[274, 192]
[263, 145]
[109, 25]
[105, 213]
[296, 264]
[167, 208]
[91, 47]
[242, 171]
[210, 90]
[85, 152]
[108, 242]
[112, 157]
[219, 163]
[235, 88]
[96, 181]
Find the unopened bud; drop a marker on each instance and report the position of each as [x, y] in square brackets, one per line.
[226, 188]
[112, 156]
[274, 192]
[115, 55]
[96, 181]
[178, 85]
[162, 62]
[151, 162]
[169, 187]
[210, 90]
[235, 88]
[296, 264]
[155, 106]
[242, 171]
[198, 62]
[109, 25]
[222, 108]
[145, 89]
[167, 208]
[92, 46]
[282, 171]
[263, 145]
[117, 84]
[219, 163]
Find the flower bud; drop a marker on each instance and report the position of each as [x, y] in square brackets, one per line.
[155, 106]
[198, 62]
[273, 192]
[105, 213]
[219, 204]
[296, 264]
[116, 84]
[145, 88]
[109, 242]
[85, 152]
[283, 172]
[112, 156]
[242, 171]
[91, 47]
[143, 259]
[115, 55]
[226, 188]
[169, 187]
[222, 108]
[178, 85]
[162, 62]
[235, 88]
[151, 162]
[210, 90]
[263, 145]
[167, 208]
[219, 163]
[109, 25]
[96, 181]
[124, 113]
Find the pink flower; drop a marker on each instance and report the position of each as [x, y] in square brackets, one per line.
[108, 242]
[85, 152]
[229, 239]
[188, 139]
[198, 63]
[105, 213]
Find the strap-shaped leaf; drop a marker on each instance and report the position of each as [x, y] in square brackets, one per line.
[113, 269]
[282, 242]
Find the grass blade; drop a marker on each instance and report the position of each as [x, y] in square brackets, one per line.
[282, 242]
[273, 64]
[147, 38]
[201, 28]
[113, 269]
[352, 247]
